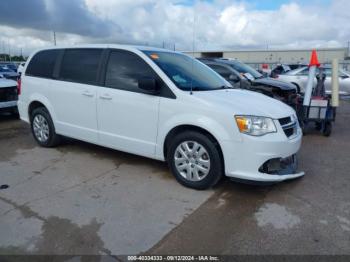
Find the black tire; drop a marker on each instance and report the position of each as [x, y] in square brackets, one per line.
[216, 169]
[318, 126]
[327, 129]
[53, 139]
[15, 113]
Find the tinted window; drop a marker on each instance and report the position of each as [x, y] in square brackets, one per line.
[42, 64]
[124, 69]
[223, 71]
[244, 69]
[80, 65]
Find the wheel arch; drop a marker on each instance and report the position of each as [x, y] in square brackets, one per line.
[185, 128]
[297, 86]
[39, 101]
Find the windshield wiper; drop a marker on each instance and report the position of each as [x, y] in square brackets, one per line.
[199, 88]
[225, 87]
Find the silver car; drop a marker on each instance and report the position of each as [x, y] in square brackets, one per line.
[299, 76]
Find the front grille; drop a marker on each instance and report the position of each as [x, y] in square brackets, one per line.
[288, 125]
[8, 94]
[285, 120]
[280, 166]
[289, 131]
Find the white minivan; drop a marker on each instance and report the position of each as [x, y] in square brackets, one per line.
[163, 105]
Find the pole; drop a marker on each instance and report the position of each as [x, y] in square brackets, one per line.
[54, 38]
[335, 83]
[309, 85]
[310, 80]
[8, 42]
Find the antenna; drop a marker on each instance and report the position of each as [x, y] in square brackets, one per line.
[193, 45]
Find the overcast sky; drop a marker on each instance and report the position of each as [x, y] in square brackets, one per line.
[212, 24]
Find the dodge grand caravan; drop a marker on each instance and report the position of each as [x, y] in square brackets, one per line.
[163, 105]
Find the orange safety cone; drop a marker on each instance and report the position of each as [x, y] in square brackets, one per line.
[314, 59]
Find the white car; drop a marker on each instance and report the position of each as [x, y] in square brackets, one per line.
[162, 105]
[8, 95]
[299, 78]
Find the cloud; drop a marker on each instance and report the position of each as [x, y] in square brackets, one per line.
[68, 16]
[217, 24]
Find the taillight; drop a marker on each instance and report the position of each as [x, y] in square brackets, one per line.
[19, 86]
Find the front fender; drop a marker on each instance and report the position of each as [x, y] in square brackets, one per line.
[217, 130]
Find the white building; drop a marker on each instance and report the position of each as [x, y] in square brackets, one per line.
[325, 55]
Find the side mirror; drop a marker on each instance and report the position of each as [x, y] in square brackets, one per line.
[149, 85]
[233, 78]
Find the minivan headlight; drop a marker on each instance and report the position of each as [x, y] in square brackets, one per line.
[255, 125]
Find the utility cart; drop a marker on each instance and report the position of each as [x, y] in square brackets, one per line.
[320, 110]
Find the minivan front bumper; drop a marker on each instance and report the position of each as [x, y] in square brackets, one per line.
[251, 158]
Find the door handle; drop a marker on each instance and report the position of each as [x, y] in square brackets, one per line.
[106, 97]
[87, 93]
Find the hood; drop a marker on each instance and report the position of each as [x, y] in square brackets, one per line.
[275, 83]
[7, 83]
[244, 102]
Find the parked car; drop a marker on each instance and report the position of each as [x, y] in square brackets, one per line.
[243, 76]
[8, 95]
[284, 68]
[163, 105]
[299, 78]
[10, 65]
[8, 73]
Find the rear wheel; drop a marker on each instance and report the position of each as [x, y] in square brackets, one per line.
[195, 160]
[43, 128]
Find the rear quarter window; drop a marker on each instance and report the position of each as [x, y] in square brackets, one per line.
[42, 64]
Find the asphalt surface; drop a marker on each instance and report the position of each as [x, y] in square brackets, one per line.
[84, 199]
[81, 199]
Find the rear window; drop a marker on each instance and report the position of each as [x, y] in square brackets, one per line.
[80, 65]
[42, 64]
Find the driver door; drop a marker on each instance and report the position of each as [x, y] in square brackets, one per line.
[127, 116]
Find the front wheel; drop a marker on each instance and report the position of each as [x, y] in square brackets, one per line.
[195, 160]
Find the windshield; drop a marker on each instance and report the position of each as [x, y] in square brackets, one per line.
[245, 69]
[302, 70]
[187, 72]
